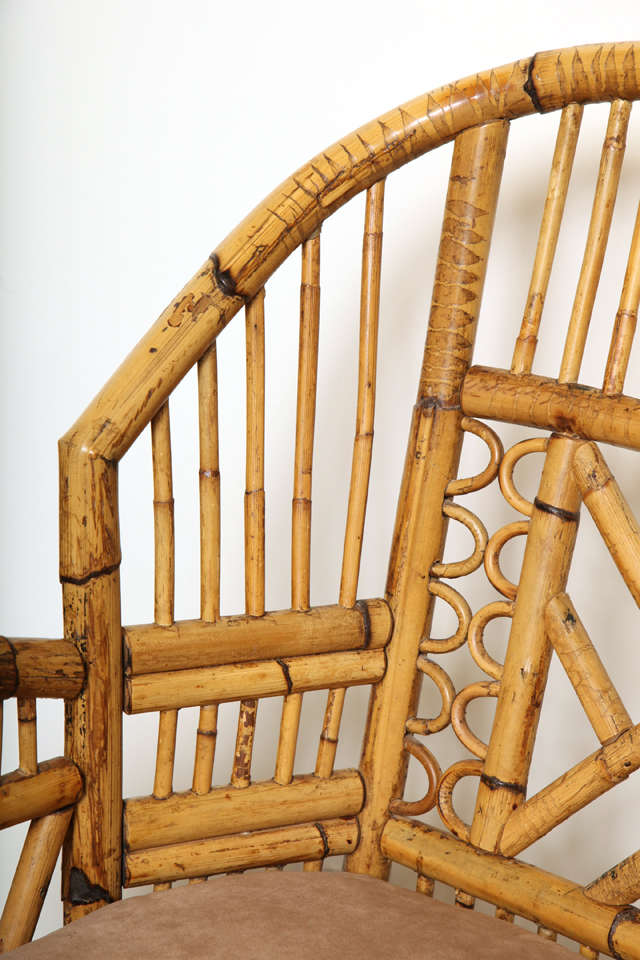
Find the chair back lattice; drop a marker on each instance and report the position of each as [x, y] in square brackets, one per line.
[384, 641]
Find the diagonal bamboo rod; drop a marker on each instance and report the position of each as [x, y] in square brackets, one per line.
[362, 448]
[576, 788]
[56, 784]
[209, 550]
[253, 520]
[27, 735]
[544, 574]
[431, 463]
[626, 319]
[611, 512]
[585, 669]
[599, 226]
[618, 885]
[559, 177]
[32, 877]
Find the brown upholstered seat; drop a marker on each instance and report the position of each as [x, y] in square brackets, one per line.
[286, 916]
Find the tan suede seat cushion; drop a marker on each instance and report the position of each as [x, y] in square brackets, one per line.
[285, 916]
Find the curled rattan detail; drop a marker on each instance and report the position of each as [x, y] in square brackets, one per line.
[488, 475]
[475, 635]
[460, 568]
[413, 808]
[442, 680]
[448, 781]
[462, 610]
[505, 474]
[482, 688]
[519, 528]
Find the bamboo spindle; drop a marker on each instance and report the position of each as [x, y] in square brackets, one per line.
[544, 574]
[585, 670]
[626, 319]
[605, 197]
[253, 520]
[588, 952]
[303, 463]
[27, 735]
[164, 586]
[209, 549]
[431, 463]
[31, 879]
[362, 448]
[559, 177]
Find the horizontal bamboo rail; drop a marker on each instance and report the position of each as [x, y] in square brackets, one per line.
[40, 668]
[31, 879]
[284, 633]
[262, 848]
[533, 401]
[57, 784]
[243, 681]
[519, 887]
[224, 810]
[555, 803]
[619, 884]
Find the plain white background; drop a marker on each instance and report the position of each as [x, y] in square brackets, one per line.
[134, 136]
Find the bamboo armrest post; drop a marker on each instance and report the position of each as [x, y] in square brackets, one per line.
[431, 462]
[89, 571]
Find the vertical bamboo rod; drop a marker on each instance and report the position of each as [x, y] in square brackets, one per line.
[253, 519]
[431, 462]
[363, 441]
[544, 574]
[27, 735]
[559, 177]
[209, 549]
[425, 885]
[626, 319]
[164, 588]
[303, 463]
[362, 448]
[602, 212]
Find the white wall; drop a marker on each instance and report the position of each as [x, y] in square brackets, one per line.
[135, 135]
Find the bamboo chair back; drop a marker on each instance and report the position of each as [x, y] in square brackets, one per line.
[383, 641]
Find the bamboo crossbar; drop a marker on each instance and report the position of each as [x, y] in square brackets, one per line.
[533, 401]
[525, 890]
[56, 784]
[40, 668]
[262, 848]
[223, 811]
[282, 633]
[572, 791]
[249, 681]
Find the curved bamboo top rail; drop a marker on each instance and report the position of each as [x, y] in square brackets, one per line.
[243, 262]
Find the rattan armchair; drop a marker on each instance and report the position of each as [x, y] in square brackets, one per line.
[103, 668]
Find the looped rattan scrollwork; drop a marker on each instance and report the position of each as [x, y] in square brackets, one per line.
[463, 612]
[483, 688]
[460, 568]
[413, 808]
[505, 474]
[483, 479]
[492, 554]
[464, 768]
[475, 635]
[442, 680]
